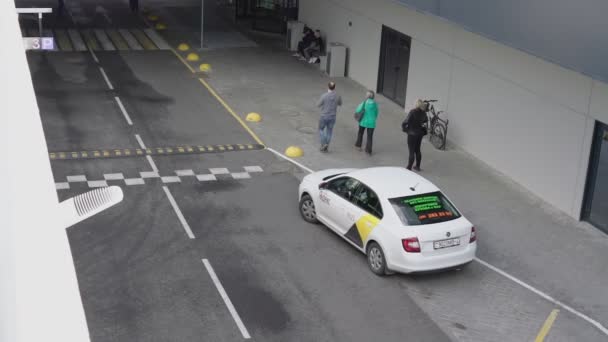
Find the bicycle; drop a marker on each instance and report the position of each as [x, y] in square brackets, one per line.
[438, 127]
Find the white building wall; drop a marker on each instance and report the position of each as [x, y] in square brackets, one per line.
[530, 119]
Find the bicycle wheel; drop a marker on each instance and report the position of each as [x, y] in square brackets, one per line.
[438, 135]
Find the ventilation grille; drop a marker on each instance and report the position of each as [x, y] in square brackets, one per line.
[94, 200]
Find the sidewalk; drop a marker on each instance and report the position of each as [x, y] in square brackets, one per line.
[518, 233]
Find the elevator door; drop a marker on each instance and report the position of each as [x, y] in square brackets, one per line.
[394, 65]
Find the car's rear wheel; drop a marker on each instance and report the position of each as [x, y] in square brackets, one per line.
[307, 209]
[376, 259]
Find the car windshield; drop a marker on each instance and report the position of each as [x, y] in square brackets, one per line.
[424, 209]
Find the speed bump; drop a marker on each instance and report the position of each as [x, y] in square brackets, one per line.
[161, 26]
[204, 67]
[253, 117]
[294, 152]
[183, 47]
[192, 57]
[162, 151]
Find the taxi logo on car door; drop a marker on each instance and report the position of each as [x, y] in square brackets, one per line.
[361, 229]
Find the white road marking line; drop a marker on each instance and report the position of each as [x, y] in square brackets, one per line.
[206, 178]
[152, 164]
[62, 186]
[149, 158]
[227, 301]
[140, 142]
[105, 77]
[290, 160]
[253, 169]
[78, 178]
[171, 179]
[113, 176]
[135, 181]
[183, 173]
[545, 296]
[97, 184]
[180, 216]
[94, 55]
[149, 174]
[240, 175]
[123, 110]
[219, 171]
[590, 320]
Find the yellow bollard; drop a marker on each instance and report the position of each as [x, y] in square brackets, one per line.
[183, 47]
[253, 117]
[294, 152]
[204, 67]
[161, 26]
[192, 57]
[152, 17]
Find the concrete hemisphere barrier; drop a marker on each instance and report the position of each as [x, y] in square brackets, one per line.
[204, 67]
[253, 117]
[294, 152]
[161, 26]
[153, 17]
[183, 47]
[192, 57]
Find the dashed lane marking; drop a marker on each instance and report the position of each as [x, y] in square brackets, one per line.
[544, 331]
[156, 151]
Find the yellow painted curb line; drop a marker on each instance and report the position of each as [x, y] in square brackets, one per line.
[253, 117]
[217, 97]
[153, 17]
[294, 152]
[192, 57]
[204, 67]
[161, 26]
[183, 47]
[544, 331]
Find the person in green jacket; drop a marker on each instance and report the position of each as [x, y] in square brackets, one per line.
[367, 122]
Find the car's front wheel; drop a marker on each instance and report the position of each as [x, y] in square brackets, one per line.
[376, 259]
[307, 209]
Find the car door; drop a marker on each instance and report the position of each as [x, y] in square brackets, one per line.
[334, 199]
[363, 215]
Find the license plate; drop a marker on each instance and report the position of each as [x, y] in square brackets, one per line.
[446, 243]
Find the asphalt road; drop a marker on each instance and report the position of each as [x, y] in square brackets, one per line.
[140, 265]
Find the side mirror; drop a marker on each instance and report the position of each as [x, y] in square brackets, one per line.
[323, 185]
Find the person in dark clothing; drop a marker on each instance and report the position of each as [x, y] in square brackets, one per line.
[415, 126]
[309, 37]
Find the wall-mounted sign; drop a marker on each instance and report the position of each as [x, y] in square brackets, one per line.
[39, 43]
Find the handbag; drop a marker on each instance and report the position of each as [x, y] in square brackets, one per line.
[359, 115]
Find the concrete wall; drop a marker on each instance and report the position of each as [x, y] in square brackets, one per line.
[530, 119]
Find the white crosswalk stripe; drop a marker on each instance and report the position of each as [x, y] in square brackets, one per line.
[130, 39]
[77, 41]
[104, 40]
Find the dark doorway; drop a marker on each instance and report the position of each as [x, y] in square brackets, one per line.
[595, 206]
[394, 65]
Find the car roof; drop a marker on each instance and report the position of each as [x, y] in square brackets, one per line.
[392, 182]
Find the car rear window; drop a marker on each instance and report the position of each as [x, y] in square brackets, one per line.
[424, 209]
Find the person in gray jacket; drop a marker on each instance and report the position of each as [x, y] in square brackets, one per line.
[328, 103]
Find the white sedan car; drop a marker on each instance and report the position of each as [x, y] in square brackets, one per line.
[401, 221]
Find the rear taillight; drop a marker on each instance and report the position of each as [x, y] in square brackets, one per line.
[473, 235]
[411, 245]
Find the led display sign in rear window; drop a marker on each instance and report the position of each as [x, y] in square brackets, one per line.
[424, 209]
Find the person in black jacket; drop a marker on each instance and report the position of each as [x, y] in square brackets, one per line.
[415, 126]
